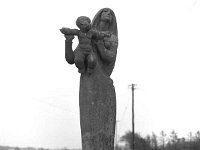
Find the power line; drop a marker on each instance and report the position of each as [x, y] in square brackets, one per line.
[56, 106]
[121, 120]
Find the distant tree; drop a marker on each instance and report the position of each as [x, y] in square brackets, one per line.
[118, 147]
[190, 136]
[128, 139]
[148, 141]
[181, 143]
[197, 136]
[154, 141]
[163, 138]
[139, 144]
[174, 139]
[17, 148]
[196, 142]
[190, 140]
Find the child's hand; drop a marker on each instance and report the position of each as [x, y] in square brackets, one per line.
[107, 33]
[65, 30]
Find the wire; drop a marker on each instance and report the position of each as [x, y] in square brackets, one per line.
[121, 120]
[56, 106]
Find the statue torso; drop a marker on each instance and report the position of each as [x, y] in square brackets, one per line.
[85, 39]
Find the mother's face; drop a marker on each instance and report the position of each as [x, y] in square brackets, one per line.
[106, 15]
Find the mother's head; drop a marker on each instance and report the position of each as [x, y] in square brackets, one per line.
[106, 15]
[105, 19]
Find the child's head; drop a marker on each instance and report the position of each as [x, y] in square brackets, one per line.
[83, 23]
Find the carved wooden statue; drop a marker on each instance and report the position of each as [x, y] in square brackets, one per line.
[97, 98]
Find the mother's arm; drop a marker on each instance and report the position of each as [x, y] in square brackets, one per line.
[108, 55]
[69, 54]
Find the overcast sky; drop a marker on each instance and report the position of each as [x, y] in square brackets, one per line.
[159, 44]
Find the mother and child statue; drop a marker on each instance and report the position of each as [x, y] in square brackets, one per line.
[95, 58]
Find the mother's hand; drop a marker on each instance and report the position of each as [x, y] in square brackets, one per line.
[100, 44]
[69, 37]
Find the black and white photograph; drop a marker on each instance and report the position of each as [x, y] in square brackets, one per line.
[100, 75]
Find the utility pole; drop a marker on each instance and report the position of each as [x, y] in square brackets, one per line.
[133, 125]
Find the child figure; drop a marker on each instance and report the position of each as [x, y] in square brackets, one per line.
[84, 55]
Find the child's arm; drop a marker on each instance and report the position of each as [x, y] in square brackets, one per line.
[100, 34]
[68, 31]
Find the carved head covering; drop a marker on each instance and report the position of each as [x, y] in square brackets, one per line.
[108, 16]
[112, 23]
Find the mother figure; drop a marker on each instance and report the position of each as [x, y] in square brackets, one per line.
[97, 98]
